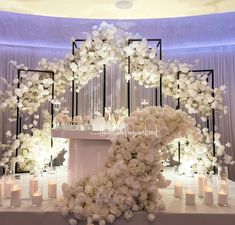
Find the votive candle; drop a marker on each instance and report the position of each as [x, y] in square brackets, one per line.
[209, 196]
[190, 197]
[52, 189]
[37, 199]
[15, 196]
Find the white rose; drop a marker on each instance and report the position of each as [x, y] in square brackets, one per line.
[110, 218]
[73, 221]
[151, 217]
[128, 215]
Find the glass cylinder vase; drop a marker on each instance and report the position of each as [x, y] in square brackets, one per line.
[202, 178]
[37, 193]
[190, 191]
[16, 191]
[178, 185]
[52, 184]
[223, 183]
[1, 190]
[8, 182]
[209, 191]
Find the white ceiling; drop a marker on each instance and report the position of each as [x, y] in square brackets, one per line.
[106, 9]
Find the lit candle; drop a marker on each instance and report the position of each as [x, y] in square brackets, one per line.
[33, 185]
[201, 185]
[178, 189]
[52, 189]
[208, 196]
[222, 198]
[224, 186]
[0, 193]
[15, 196]
[190, 197]
[7, 187]
[37, 199]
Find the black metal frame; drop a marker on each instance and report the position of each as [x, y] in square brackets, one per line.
[75, 94]
[159, 44]
[209, 72]
[18, 117]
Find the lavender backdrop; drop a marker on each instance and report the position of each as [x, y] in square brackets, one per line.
[209, 38]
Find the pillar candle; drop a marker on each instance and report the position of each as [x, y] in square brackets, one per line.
[15, 196]
[7, 187]
[178, 189]
[208, 196]
[190, 197]
[52, 189]
[201, 185]
[37, 199]
[1, 193]
[33, 185]
[224, 186]
[222, 198]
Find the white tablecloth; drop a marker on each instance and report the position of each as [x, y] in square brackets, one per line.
[88, 151]
[176, 213]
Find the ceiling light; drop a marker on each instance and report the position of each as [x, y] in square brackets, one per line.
[124, 4]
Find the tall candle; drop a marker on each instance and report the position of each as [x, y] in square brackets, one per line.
[7, 187]
[222, 198]
[37, 199]
[15, 196]
[52, 189]
[224, 186]
[178, 190]
[201, 185]
[208, 196]
[190, 197]
[33, 186]
[1, 193]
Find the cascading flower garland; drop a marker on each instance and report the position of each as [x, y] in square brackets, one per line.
[132, 176]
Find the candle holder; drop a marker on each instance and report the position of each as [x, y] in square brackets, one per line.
[52, 184]
[33, 183]
[1, 190]
[178, 185]
[16, 187]
[37, 193]
[144, 103]
[8, 182]
[56, 105]
[223, 179]
[201, 181]
[223, 193]
[209, 192]
[190, 191]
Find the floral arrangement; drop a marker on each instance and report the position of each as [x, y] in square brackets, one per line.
[115, 117]
[197, 150]
[106, 45]
[34, 151]
[132, 176]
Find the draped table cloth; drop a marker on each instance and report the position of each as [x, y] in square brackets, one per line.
[176, 213]
[87, 151]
